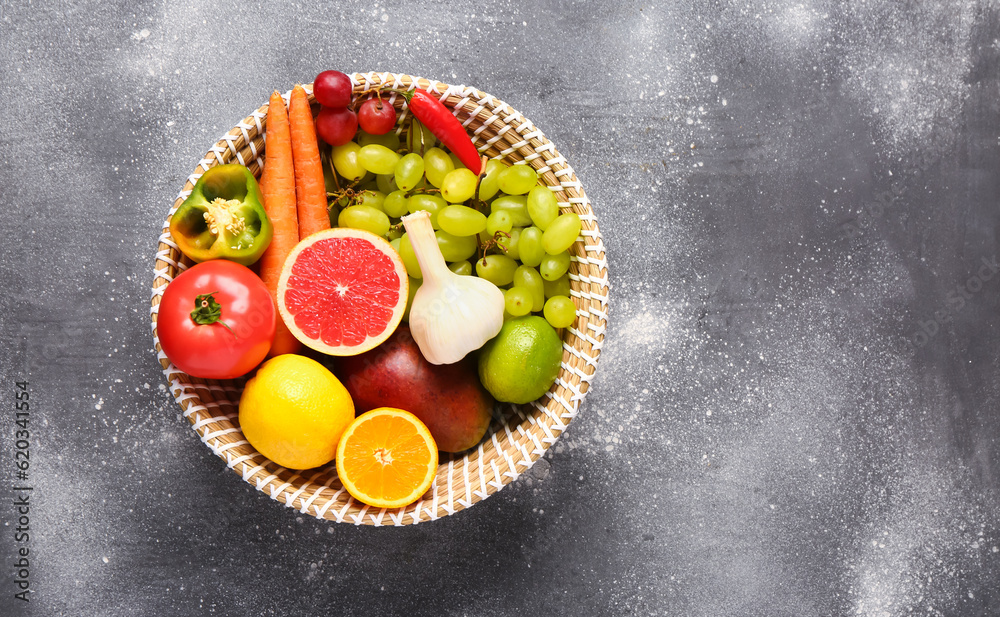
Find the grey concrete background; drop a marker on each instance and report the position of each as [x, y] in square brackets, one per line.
[796, 411]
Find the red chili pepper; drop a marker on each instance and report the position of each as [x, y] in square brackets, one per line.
[445, 126]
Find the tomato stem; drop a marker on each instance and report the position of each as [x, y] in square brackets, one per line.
[208, 311]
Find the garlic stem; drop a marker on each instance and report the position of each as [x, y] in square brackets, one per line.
[421, 233]
[451, 314]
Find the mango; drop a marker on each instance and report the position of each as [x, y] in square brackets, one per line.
[448, 398]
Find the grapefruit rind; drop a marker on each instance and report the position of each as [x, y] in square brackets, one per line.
[371, 341]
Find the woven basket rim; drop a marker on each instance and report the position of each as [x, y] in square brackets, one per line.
[525, 432]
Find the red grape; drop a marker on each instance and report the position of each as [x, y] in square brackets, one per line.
[332, 89]
[336, 126]
[376, 117]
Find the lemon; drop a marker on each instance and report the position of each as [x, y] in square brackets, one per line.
[294, 410]
[521, 363]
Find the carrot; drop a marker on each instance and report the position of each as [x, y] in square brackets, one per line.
[310, 188]
[278, 188]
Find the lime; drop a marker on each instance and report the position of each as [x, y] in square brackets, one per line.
[294, 410]
[522, 362]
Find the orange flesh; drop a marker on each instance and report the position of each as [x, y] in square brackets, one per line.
[387, 459]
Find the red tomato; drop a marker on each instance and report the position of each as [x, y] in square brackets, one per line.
[226, 345]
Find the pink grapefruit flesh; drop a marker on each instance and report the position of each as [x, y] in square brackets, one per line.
[342, 291]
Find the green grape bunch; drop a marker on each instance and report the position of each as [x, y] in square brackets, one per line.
[502, 225]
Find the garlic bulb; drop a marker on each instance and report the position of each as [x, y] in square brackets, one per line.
[451, 314]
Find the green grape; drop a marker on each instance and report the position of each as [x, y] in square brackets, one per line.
[463, 268]
[437, 164]
[409, 171]
[386, 183]
[517, 179]
[375, 199]
[529, 246]
[396, 204]
[498, 221]
[395, 233]
[342, 202]
[554, 266]
[561, 234]
[390, 140]
[509, 245]
[497, 269]
[529, 278]
[378, 159]
[335, 207]
[516, 205]
[558, 287]
[456, 162]
[461, 220]
[368, 183]
[488, 184]
[458, 185]
[431, 203]
[345, 161]
[409, 258]
[329, 174]
[395, 242]
[419, 138]
[517, 301]
[542, 206]
[333, 212]
[559, 311]
[414, 285]
[364, 217]
[456, 248]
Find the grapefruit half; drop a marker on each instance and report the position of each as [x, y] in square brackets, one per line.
[342, 291]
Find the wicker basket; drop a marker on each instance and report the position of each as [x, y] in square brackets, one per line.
[519, 436]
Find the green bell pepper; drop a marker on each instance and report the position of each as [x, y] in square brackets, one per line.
[223, 218]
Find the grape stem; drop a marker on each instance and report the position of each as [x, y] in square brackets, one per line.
[347, 191]
[336, 180]
[491, 243]
[359, 100]
[377, 90]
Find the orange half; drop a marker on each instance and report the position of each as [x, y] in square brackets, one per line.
[387, 458]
